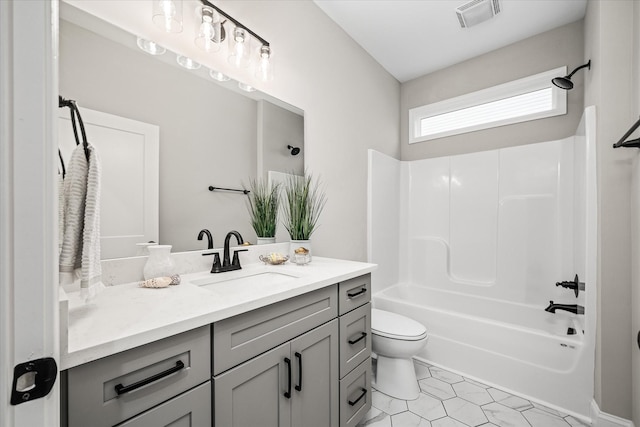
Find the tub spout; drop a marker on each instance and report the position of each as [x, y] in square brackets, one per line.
[571, 308]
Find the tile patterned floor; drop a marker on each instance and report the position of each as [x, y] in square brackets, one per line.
[450, 400]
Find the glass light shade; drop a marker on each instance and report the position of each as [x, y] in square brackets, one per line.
[245, 87]
[239, 48]
[210, 31]
[167, 14]
[150, 47]
[217, 75]
[264, 68]
[187, 63]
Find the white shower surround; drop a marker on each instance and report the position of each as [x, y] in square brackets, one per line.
[472, 246]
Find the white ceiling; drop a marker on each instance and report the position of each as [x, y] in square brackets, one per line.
[411, 38]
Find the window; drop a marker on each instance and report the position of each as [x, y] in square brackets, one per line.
[531, 98]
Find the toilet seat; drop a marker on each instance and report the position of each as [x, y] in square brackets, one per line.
[395, 326]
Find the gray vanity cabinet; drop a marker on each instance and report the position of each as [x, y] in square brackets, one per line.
[294, 384]
[354, 297]
[164, 383]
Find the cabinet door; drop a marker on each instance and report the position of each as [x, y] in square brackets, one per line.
[314, 355]
[252, 394]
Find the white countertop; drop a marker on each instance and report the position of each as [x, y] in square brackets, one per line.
[127, 316]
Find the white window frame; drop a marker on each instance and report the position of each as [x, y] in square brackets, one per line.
[485, 96]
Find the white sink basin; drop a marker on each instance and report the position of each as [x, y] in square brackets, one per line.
[240, 278]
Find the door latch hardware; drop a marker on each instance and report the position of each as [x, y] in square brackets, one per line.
[33, 380]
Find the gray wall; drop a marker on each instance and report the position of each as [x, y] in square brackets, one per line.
[208, 134]
[278, 128]
[609, 29]
[555, 48]
[350, 104]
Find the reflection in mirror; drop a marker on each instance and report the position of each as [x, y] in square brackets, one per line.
[209, 135]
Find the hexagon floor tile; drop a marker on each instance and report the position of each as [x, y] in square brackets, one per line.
[450, 400]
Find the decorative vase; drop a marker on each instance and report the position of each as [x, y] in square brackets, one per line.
[159, 263]
[300, 252]
[143, 248]
[266, 240]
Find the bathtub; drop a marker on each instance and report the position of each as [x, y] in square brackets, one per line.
[516, 347]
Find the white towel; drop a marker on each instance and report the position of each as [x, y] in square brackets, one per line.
[80, 252]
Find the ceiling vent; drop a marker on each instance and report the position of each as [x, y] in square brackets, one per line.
[477, 11]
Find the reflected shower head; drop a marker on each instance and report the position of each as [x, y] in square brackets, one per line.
[294, 150]
[565, 82]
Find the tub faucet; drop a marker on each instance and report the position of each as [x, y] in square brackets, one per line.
[209, 237]
[571, 308]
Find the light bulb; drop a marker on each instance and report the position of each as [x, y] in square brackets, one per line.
[239, 54]
[207, 34]
[167, 14]
[264, 69]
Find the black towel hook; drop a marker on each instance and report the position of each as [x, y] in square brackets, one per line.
[75, 112]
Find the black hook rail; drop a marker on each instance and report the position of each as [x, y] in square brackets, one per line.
[212, 188]
[75, 114]
[633, 143]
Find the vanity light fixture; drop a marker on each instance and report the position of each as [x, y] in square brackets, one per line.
[167, 14]
[187, 63]
[210, 30]
[239, 48]
[218, 76]
[152, 48]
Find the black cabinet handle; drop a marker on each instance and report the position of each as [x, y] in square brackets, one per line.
[363, 394]
[360, 338]
[299, 386]
[287, 393]
[360, 292]
[120, 389]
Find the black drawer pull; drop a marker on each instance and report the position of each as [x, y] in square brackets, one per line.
[360, 338]
[287, 393]
[120, 389]
[363, 394]
[360, 292]
[299, 386]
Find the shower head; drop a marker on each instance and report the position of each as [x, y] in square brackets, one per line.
[565, 82]
[294, 150]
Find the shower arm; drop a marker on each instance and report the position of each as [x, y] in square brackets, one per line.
[588, 64]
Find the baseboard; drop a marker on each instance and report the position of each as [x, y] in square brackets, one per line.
[602, 419]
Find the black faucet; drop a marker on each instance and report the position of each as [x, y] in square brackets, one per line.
[209, 237]
[571, 308]
[227, 264]
[576, 285]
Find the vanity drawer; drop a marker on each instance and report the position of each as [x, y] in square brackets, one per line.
[355, 338]
[355, 395]
[91, 388]
[239, 338]
[354, 292]
[190, 409]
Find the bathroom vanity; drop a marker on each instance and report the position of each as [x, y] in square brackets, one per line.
[264, 346]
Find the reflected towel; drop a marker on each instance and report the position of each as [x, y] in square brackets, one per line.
[80, 251]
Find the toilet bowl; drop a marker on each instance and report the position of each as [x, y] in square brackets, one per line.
[395, 340]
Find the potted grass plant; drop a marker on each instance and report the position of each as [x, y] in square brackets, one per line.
[303, 204]
[263, 204]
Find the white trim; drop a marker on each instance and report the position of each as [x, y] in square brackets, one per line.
[496, 93]
[602, 419]
[28, 190]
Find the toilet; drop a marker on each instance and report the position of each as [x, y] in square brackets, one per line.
[395, 340]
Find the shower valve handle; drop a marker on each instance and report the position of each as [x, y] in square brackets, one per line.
[575, 284]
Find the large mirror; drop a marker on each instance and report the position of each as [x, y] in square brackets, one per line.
[209, 134]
